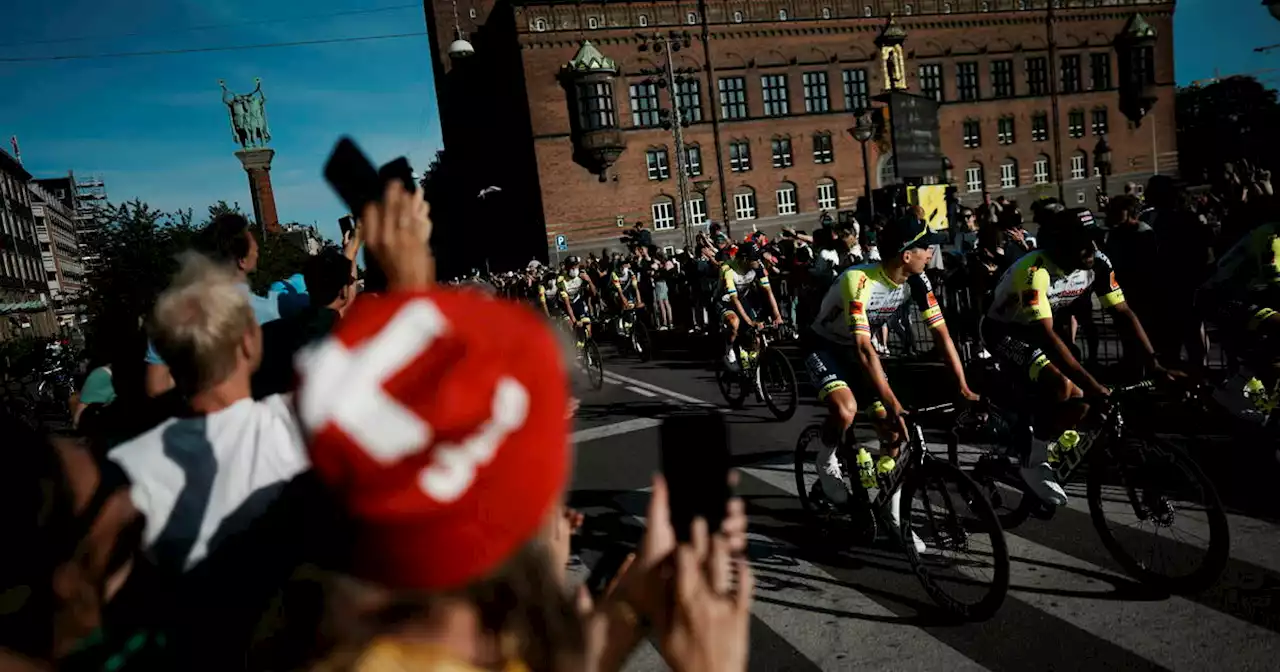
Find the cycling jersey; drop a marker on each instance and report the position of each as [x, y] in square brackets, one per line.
[1034, 288]
[735, 279]
[1251, 264]
[571, 288]
[632, 290]
[863, 298]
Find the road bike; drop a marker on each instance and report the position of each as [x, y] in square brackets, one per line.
[1130, 471]
[763, 370]
[935, 498]
[588, 354]
[634, 334]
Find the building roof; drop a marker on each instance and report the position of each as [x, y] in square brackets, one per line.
[1138, 27]
[589, 59]
[11, 165]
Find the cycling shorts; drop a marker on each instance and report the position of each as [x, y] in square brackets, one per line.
[833, 366]
[750, 305]
[1014, 352]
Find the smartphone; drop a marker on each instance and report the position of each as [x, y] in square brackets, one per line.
[398, 169]
[351, 174]
[695, 463]
[605, 569]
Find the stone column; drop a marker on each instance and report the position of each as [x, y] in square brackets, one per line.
[257, 163]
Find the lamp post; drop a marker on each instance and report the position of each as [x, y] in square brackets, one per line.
[1102, 160]
[673, 120]
[862, 132]
[947, 170]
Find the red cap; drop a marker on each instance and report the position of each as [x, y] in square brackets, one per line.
[437, 418]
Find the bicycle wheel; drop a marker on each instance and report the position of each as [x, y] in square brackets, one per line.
[776, 380]
[733, 385]
[947, 510]
[1157, 484]
[983, 449]
[807, 447]
[593, 363]
[641, 342]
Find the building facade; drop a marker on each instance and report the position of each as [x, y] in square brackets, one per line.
[24, 295]
[59, 249]
[768, 91]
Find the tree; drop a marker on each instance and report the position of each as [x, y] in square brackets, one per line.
[1232, 119]
[278, 258]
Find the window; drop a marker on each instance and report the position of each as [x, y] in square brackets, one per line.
[689, 98]
[1002, 78]
[787, 199]
[1041, 169]
[1100, 121]
[739, 156]
[866, 10]
[644, 104]
[827, 195]
[931, 81]
[855, 89]
[693, 160]
[1022, 4]
[782, 152]
[1080, 197]
[1100, 71]
[1071, 74]
[539, 25]
[1078, 165]
[986, 7]
[1144, 66]
[697, 210]
[972, 133]
[774, 88]
[691, 18]
[782, 15]
[473, 14]
[826, 12]
[1004, 131]
[595, 106]
[946, 8]
[737, 17]
[733, 98]
[592, 23]
[1075, 123]
[973, 178]
[644, 20]
[1039, 127]
[1009, 174]
[816, 97]
[656, 160]
[908, 10]
[822, 148]
[744, 205]
[1038, 76]
[663, 217]
[967, 80]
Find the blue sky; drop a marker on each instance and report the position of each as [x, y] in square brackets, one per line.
[155, 129]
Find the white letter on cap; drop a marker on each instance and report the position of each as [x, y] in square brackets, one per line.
[453, 469]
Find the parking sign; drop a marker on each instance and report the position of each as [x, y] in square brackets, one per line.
[562, 243]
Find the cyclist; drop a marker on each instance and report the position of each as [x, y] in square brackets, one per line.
[626, 285]
[574, 288]
[841, 357]
[1018, 330]
[740, 300]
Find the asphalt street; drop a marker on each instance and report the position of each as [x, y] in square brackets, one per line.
[824, 602]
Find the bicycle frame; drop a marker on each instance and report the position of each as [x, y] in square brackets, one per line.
[913, 454]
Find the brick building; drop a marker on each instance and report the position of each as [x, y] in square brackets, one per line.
[24, 297]
[562, 105]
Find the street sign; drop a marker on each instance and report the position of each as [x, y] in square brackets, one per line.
[562, 243]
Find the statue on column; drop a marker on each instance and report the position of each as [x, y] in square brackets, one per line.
[248, 115]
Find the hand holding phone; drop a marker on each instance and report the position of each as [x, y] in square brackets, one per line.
[695, 464]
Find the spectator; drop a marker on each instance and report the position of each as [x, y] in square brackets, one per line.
[290, 295]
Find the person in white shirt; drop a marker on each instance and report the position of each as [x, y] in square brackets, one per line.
[204, 476]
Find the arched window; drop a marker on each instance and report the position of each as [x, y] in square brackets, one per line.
[867, 11]
[592, 23]
[973, 178]
[908, 10]
[827, 194]
[885, 173]
[644, 20]
[1040, 172]
[663, 209]
[1079, 165]
[826, 12]
[697, 205]
[744, 203]
[691, 18]
[539, 25]
[787, 199]
[1009, 173]
[737, 17]
[782, 15]
[946, 8]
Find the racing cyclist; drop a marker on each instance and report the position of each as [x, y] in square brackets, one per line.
[740, 300]
[574, 288]
[841, 357]
[626, 286]
[1018, 330]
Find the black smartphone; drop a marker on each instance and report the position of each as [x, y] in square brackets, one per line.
[398, 169]
[695, 463]
[351, 174]
[605, 569]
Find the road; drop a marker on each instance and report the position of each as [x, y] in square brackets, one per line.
[822, 604]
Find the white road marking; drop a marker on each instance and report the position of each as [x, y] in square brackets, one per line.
[660, 390]
[641, 391]
[606, 431]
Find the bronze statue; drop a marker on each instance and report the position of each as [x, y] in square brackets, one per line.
[248, 115]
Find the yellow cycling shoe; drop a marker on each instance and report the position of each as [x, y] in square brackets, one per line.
[885, 464]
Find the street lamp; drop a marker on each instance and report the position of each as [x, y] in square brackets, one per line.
[673, 119]
[1102, 160]
[862, 132]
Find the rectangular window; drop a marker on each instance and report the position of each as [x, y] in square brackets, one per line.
[855, 90]
[1008, 175]
[827, 196]
[787, 201]
[693, 160]
[1039, 127]
[595, 106]
[816, 96]
[644, 104]
[1004, 131]
[744, 205]
[1100, 71]
[1077, 167]
[689, 98]
[1037, 76]
[774, 90]
[1075, 123]
[663, 218]
[972, 133]
[739, 156]
[656, 159]
[697, 211]
[1100, 121]
[733, 98]
[1144, 66]
[1070, 74]
[931, 81]
[967, 80]
[782, 152]
[1042, 170]
[1002, 78]
[973, 179]
[822, 148]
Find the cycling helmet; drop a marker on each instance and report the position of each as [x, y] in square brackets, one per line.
[1069, 229]
[572, 260]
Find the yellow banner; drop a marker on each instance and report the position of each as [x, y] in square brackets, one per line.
[932, 198]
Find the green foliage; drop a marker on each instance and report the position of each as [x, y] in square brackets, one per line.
[1232, 119]
[278, 258]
